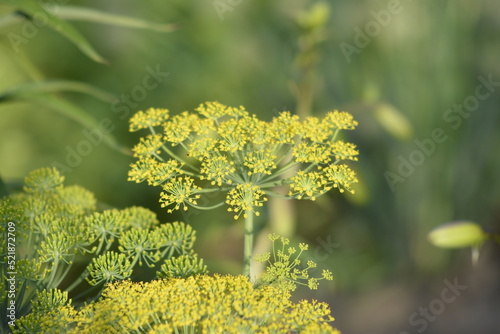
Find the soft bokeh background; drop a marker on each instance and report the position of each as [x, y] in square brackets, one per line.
[269, 56]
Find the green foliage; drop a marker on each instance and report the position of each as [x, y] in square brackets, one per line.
[32, 8]
[55, 16]
[42, 94]
[59, 240]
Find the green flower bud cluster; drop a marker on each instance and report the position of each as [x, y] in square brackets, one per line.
[60, 240]
[285, 268]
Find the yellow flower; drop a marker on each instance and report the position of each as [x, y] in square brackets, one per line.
[141, 169]
[149, 145]
[255, 130]
[312, 153]
[232, 136]
[217, 110]
[311, 185]
[237, 152]
[260, 161]
[152, 117]
[179, 127]
[340, 120]
[284, 128]
[202, 303]
[217, 169]
[315, 130]
[344, 151]
[341, 177]
[163, 172]
[202, 148]
[245, 197]
[181, 192]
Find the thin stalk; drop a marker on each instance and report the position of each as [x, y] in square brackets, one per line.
[173, 155]
[311, 166]
[211, 190]
[248, 243]
[273, 184]
[334, 136]
[55, 268]
[77, 281]
[187, 173]
[86, 292]
[475, 255]
[63, 274]
[277, 195]
[207, 207]
[281, 171]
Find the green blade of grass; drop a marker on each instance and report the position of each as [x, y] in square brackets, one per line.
[75, 13]
[32, 8]
[79, 115]
[73, 112]
[91, 15]
[54, 86]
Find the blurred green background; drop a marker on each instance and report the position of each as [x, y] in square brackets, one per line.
[400, 67]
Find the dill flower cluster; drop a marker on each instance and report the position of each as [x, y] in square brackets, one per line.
[59, 226]
[197, 304]
[61, 241]
[226, 149]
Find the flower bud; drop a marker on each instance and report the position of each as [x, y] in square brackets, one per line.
[316, 17]
[457, 235]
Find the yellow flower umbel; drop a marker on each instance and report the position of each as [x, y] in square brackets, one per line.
[185, 301]
[225, 149]
[196, 304]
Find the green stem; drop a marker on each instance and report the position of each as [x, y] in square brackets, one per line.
[207, 207]
[277, 195]
[311, 166]
[281, 171]
[63, 274]
[211, 190]
[55, 267]
[334, 136]
[173, 155]
[78, 280]
[248, 243]
[274, 184]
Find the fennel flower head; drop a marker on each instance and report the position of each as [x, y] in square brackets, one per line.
[225, 149]
[196, 304]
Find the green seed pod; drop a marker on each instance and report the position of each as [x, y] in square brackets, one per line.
[457, 235]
